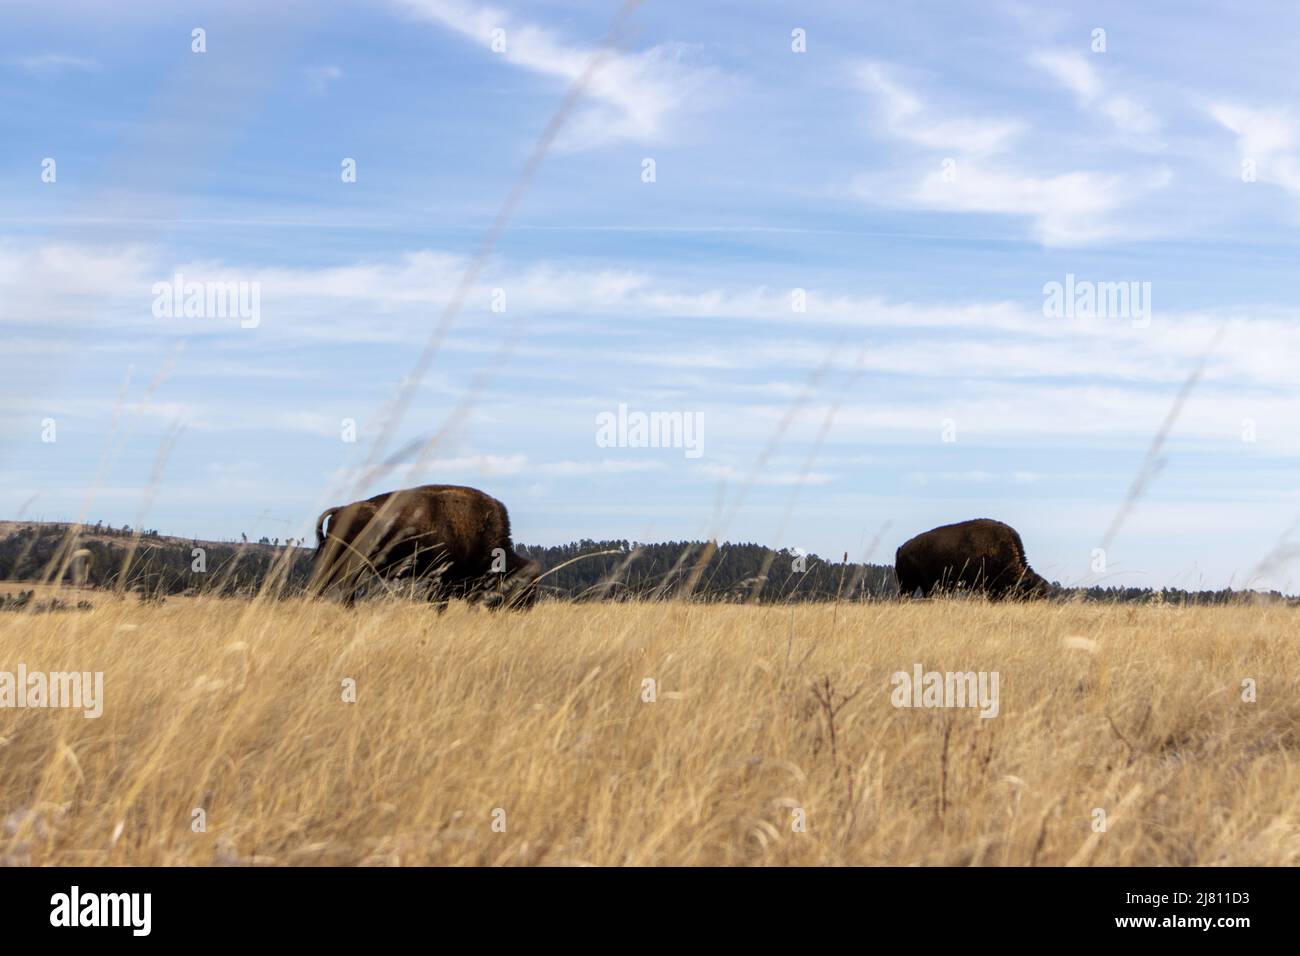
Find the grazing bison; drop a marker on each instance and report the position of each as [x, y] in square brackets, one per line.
[982, 555]
[452, 541]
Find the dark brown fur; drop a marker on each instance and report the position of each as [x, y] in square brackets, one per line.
[443, 536]
[982, 555]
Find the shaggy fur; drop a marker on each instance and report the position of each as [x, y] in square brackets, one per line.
[982, 555]
[446, 537]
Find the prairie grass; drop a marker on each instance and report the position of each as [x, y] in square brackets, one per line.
[537, 722]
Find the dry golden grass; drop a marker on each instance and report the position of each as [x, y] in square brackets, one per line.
[237, 708]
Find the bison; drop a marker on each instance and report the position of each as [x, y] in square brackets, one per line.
[982, 556]
[452, 541]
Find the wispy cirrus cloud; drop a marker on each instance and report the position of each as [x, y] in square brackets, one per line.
[1077, 73]
[1269, 138]
[320, 77]
[51, 64]
[1071, 208]
[910, 118]
[730, 473]
[61, 289]
[971, 168]
[632, 97]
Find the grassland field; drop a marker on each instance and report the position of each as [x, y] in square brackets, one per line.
[294, 732]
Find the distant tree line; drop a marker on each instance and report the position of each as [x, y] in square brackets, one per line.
[1118, 595]
[159, 565]
[108, 531]
[585, 570]
[621, 570]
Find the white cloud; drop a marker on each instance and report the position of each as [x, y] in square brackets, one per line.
[1269, 138]
[518, 464]
[736, 352]
[606, 466]
[732, 474]
[69, 269]
[974, 475]
[312, 423]
[968, 169]
[1004, 339]
[478, 465]
[475, 465]
[319, 77]
[908, 117]
[1071, 208]
[49, 64]
[631, 97]
[1075, 71]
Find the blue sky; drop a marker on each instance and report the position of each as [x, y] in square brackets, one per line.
[922, 173]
